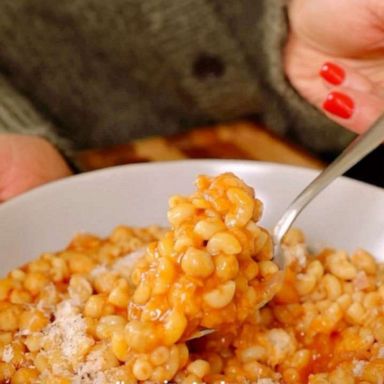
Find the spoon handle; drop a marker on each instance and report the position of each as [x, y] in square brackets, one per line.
[354, 152]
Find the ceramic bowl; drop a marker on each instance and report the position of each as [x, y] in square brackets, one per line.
[348, 214]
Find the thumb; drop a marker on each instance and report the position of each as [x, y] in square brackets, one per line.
[353, 109]
[26, 162]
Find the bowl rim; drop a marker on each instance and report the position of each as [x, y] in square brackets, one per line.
[136, 167]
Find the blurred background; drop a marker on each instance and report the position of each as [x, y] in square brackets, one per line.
[123, 81]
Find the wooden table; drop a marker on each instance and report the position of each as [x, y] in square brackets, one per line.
[240, 140]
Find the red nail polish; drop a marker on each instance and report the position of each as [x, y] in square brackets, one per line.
[332, 73]
[339, 105]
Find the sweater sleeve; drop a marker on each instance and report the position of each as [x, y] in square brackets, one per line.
[262, 27]
[19, 116]
[210, 60]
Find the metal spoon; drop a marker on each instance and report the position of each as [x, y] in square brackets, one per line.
[354, 152]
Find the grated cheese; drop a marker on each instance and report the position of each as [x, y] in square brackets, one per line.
[67, 334]
[7, 353]
[99, 270]
[126, 262]
[90, 372]
[129, 260]
[361, 282]
[297, 253]
[46, 305]
[281, 341]
[23, 332]
[266, 381]
[358, 367]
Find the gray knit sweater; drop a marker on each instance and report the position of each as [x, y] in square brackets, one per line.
[88, 73]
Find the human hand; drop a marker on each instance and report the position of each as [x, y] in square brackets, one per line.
[343, 41]
[26, 162]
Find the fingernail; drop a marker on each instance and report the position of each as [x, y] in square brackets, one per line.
[339, 105]
[332, 73]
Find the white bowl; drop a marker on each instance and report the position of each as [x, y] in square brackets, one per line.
[348, 214]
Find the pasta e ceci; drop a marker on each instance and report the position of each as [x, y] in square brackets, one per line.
[127, 308]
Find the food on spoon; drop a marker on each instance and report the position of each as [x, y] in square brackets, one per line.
[211, 270]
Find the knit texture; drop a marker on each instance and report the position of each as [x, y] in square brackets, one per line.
[18, 115]
[105, 72]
